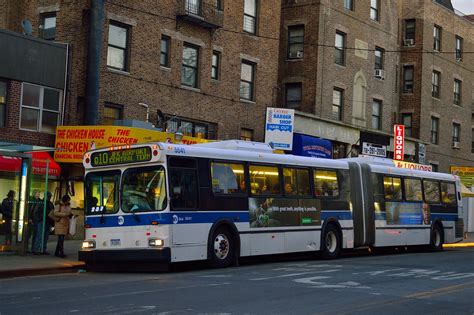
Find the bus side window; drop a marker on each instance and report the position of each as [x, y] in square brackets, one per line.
[228, 178]
[325, 183]
[448, 193]
[264, 180]
[413, 191]
[183, 188]
[431, 191]
[392, 187]
[296, 182]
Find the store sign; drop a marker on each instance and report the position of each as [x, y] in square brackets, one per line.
[399, 142]
[466, 174]
[374, 149]
[124, 156]
[279, 126]
[73, 141]
[413, 166]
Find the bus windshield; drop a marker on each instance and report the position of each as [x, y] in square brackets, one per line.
[144, 189]
[102, 192]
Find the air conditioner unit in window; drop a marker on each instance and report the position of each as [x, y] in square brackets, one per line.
[456, 145]
[408, 42]
[379, 73]
[299, 54]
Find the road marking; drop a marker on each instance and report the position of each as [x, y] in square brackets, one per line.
[295, 274]
[442, 291]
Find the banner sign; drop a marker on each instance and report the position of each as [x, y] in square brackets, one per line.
[398, 142]
[279, 125]
[73, 141]
[466, 174]
[413, 166]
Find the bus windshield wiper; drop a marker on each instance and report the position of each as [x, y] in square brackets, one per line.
[135, 216]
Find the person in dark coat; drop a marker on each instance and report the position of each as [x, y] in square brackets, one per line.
[49, 222]
[7, 212]
[34, 217]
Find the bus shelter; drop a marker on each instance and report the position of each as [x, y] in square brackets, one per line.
[25, 179]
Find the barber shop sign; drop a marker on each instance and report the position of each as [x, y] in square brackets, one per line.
[398, 142]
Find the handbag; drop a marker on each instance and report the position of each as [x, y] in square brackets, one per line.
[72, 225]
[52, 216]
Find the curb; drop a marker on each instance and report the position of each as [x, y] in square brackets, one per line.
[6, 274]
[466, 244]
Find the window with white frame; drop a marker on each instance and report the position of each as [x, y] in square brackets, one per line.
[340, 43]
[379, 58]
[458, 48]
[295, 41]
[437, 38]
[349, 4]
[247, 80]
[215, 65]
[434, 130]
[250, 16]
[410, 30]
[190, 67]
[337, 102]
[375, 10]
[376, 114]
[456, 133]
[457, 92]
[435, 81]
[40, 108]
[118, 46]
[408, 123]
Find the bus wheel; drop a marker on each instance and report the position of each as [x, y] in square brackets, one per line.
[222, 249]
[331, 242]
[436, 243]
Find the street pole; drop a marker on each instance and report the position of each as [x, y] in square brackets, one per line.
[45, 196]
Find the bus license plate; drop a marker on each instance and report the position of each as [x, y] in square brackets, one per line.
[115, 242]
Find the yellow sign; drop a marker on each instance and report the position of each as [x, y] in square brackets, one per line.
[413, 166]
[465, 173]
[73, 141]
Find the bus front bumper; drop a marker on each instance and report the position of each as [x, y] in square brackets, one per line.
[128, 255]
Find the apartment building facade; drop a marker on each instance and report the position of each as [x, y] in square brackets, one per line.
[208, 66]
[437, 77]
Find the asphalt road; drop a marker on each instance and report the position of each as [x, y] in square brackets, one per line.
[409, 283]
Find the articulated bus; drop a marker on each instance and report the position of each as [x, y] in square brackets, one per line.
[220, 201]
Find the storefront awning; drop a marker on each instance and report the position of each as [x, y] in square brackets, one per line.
[9, 163]
[39, 161]
[304, 145]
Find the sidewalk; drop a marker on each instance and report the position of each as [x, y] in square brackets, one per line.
[12, 265]
[17, 266]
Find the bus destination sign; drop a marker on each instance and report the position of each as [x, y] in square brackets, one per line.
[133, 155]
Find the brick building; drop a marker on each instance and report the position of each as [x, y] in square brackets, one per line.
[352, 69]
[208, 67]
[437, 104]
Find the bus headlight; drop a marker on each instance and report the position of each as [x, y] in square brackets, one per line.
[155, 242]
[88, 244]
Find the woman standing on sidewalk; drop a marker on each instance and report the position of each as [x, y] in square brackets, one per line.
[61, 227]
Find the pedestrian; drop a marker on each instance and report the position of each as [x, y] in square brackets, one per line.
[49, 222]
[7, 211]
[34, 214]
[61, 227]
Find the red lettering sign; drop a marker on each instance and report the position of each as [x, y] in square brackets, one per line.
[398, 142]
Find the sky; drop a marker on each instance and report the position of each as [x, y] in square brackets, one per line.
[465, 6]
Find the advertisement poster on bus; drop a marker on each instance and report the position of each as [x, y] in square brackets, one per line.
[279, 125]
[275, 212]
[73, 141]
[407, 213]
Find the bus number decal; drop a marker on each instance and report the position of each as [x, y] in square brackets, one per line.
[179, 150]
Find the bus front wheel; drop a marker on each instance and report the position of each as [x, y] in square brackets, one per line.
[331, 242]
[436, 243]
[222, 248]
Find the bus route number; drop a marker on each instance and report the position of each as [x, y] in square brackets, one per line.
[179, 150]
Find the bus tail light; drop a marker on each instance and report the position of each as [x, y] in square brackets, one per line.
[155, 242]
[88, 244]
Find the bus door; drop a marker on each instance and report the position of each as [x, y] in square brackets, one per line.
[187, 226]
[362, 204]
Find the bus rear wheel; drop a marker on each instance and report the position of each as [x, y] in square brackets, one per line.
[222, 248]
[436, 243]
[331, 242]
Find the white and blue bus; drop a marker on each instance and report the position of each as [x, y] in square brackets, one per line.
[224, 200]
